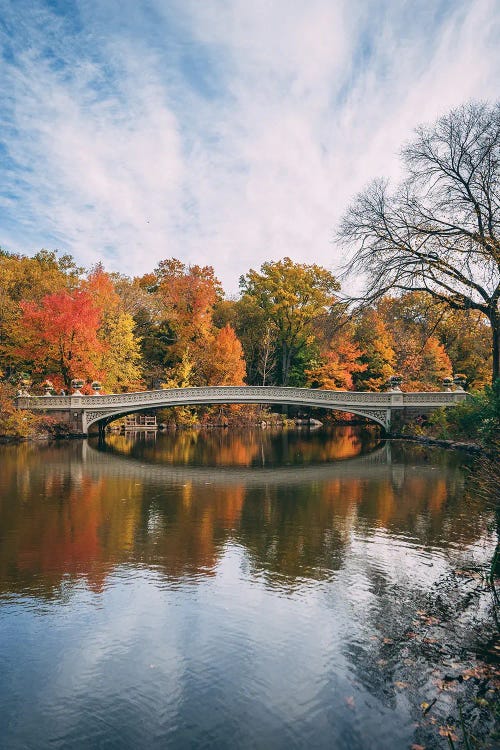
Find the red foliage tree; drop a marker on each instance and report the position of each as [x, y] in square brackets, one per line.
[59, 335]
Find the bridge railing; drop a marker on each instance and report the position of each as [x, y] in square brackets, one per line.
[247, 394]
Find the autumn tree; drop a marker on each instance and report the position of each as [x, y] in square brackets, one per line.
[120, 354]
[412, 321]
[223, 362]
[292, 297]
[339, 363]
[173, 312]
[59, 336]
[188, 294]
[465, 334]
[374, 340]
[439, 231]
[24, 279]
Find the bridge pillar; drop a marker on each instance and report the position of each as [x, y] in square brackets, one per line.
[396, 407]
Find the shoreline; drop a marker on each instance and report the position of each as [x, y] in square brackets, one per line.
[451, 444]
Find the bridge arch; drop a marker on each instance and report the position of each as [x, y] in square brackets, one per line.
[93, 419]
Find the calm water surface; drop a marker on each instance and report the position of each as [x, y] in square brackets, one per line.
[220, 590]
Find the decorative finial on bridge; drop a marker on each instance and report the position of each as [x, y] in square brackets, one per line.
[48, 387]
[24, 382]
[76, 384]
[459, 380]
[447, 383]
[394, 383]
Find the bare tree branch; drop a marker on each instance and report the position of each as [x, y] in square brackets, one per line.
[439, 231]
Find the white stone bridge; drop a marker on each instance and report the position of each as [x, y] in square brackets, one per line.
[84, 412]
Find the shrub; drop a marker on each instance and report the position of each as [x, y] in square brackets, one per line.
[477, 418]
[14, 422]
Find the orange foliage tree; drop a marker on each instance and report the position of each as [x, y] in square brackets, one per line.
[188, 295]
[413, 325]
[340, 362]
[377, 352]
[225, 363]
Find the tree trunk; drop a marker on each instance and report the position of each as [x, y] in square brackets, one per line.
[285, 359]
[495, 331]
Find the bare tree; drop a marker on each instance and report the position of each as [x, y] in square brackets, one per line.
[439, 231]
[267, 354]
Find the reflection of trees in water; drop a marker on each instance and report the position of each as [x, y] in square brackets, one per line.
[294, 536]
[247, 448]
[64, 518]
[59, 522]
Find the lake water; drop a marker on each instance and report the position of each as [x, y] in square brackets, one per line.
[223, 590]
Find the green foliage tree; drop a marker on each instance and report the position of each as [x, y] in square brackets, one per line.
[258, 337]
[292, 296]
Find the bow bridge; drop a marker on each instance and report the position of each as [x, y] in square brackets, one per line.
[82, 412]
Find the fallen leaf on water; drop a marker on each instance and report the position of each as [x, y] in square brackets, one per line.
[448, 731]
[401, 685]
[445, 685]
[426, 707]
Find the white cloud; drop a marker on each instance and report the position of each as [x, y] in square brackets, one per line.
[132, 162]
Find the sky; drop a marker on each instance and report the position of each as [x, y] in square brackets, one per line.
[219, 132]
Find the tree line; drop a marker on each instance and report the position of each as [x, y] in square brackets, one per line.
[174, 327]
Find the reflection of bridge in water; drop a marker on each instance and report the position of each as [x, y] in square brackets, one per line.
[81, 412]
[371, 466]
